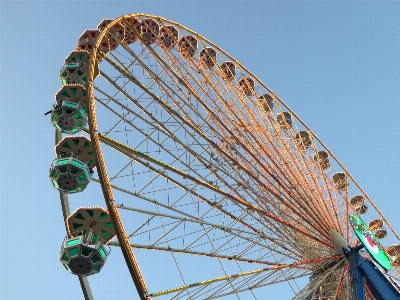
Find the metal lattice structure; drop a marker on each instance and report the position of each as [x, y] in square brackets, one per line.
[208, 161]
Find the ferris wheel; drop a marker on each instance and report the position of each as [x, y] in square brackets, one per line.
[199, 160]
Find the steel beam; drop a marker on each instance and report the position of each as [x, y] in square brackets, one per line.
[365, 270]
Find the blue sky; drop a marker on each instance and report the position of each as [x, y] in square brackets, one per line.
[335, 63]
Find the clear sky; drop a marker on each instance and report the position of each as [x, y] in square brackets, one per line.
[335, 63]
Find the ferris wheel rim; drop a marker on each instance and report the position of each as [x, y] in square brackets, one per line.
[102, 171]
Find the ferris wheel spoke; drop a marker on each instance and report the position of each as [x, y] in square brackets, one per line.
[134, 101]
[151, 94]
[271, 143]
[265, 283]
[124, 119]
[157, 78]
[195, 220]
[242, 118]
[149, 50]
[235, 277]
[314, 227]
[194, 238]
[229, 230]
[225, 91]
[280, 245]
[342, 284]
[171, 208]
[145, 159]
[149, 138]
[273, 277]
[199, 253]
[319, 280]
[126, 68]
[241, 284]
[238, 96]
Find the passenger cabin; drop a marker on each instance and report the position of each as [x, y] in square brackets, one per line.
[116, 32]
[208, 57]
[322, 158]
[150, 31]
[246, 85]
[168, 37]
[339, 179]
[303, 140]
[188, 45]
[228, 70]
[284, 120]
[267, 102]
[132, 29]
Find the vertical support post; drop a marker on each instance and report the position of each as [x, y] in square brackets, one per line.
[356, 277]
[85, 288]
[87, 293]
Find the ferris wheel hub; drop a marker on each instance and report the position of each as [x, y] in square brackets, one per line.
[338, 240]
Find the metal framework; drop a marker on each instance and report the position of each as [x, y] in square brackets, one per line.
[369, 281]
[209, 162]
